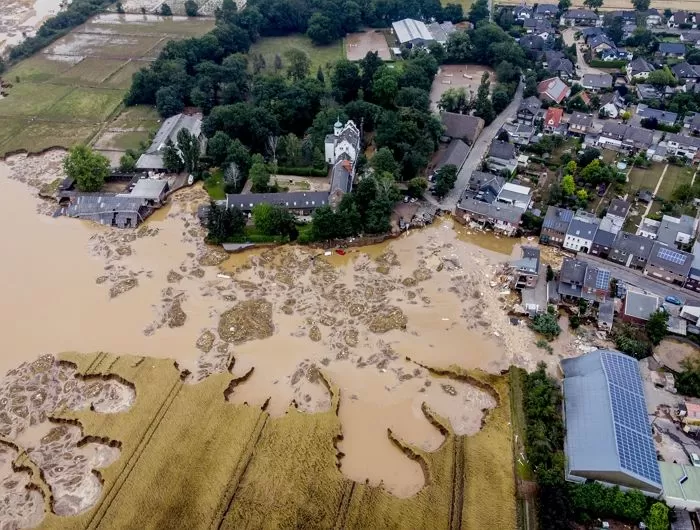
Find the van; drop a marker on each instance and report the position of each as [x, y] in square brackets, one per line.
[695, 459]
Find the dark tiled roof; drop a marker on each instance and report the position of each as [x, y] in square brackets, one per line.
[502, 150]
[580, 14]
[462, 126]
[582, 229]
[455, 154]
[633, 244]
[572, 271]
[581, 119]
[675, 48]
[619, 207]
[531, 104]
[640, 65]
[604, 238]
[292, 200]
[500, 212]
[557, 219]
[597, 80]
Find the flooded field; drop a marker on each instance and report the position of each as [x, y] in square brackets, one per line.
[20, 18]
[374, 323]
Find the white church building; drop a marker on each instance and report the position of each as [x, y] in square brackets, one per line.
[341, 151]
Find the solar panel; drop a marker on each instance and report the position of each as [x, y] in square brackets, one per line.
[671, 255]
[602, 281]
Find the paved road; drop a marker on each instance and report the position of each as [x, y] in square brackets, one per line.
[582, 66]
[479, 148]
[641, 281]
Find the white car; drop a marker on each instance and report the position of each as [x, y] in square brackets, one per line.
[695, 459]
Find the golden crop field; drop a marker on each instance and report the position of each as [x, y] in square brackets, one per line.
[190, 459]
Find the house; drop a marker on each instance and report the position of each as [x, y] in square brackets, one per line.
[515, 195]
[638, 69]
[691, 38]
[692, 122]
[462, 126]
[680, 145]
[552, 120]
[528, 110]
[526, 269]
[612, 104]
[668, 264]
[534, 45]
[502, 156]
[618, 209]
[553, 89]
[672, 49]
[600, 43]
[630, 250]
[571, 276]
[152, 159]
[440, 31]
[555, 225]
[581, 232]
[602, 242]
[545, 11]
[121, 211]
[596, 284]
[559, 65]
[615, 54]
[664, 117]
[522, 12]
[596, 82]
[680, 18]
[583, 97]
[691, 313]
[626, 138]
[653, 17]
[580, 17]
[693, 281]
[301, 203]
[648, 228]
[676, 231]
[687, 73]
[342, 149]
[606, 315]
[538, 27]
[455, 154]
[580, 123]
[520, 133]
[500, 217]
[151, 191]
[646, 91]
[484, 187]
[639, 306]
[411, 32]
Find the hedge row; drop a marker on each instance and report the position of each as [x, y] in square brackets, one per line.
[597, 63]
[302, 171]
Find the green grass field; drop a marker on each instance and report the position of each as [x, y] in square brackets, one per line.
[215, 186]
[86, 104]
[644, 178]
[319, 55]
[674, 177]
[91, 71]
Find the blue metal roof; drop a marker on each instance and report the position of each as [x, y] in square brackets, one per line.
[608, 430]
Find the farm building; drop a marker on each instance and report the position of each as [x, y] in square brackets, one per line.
[412, 32]
[608, 435]
[152, 159]
[298, 202]
[120, 211]
[151, 191]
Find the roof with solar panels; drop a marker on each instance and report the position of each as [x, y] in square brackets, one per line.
[670, 258]
[608, 430]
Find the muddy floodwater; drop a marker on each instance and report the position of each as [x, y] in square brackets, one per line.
[373, 321]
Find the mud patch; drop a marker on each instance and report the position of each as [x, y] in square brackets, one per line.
[248, 320]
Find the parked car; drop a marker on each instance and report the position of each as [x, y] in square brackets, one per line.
[695, 459]
[406, 198]
[673, 300]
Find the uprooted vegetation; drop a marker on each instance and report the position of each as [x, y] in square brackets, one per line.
[238, 466]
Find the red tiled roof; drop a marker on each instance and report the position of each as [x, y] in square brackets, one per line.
[554, 88]
[553, 117]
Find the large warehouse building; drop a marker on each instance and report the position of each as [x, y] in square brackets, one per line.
[608, 432]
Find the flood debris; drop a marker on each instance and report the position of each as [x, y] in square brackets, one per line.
[387, 319]
[247, 320]
[122, 286]
[205, 342]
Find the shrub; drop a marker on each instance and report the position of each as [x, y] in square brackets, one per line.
[302, 171]
[546, 325]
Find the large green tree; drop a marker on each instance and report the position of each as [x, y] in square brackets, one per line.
[189, 148]
[224, 223]
[445, 179]
[259, 175]
[484, 107]
[172, 161]
[641, 5]
[191, 8]
[299, 64]
[657, 326]
[383, 162]
[273, 220]
[87, 168]
[658, 517]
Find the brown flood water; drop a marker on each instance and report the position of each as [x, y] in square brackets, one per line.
[70, 285]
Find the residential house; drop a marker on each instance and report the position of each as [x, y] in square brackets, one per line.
[545, 11]
[526, 269]
[110, 210]
[653, 17]
[676, 231]
[596, 284]
[626, 16]
[691, 312]
[618, 209]
[606, 315]
[440, 31]
[600, 43]
[552, 120]
[630, 250]
[687, 73]
[646, 91]
[638, 69]
[664, 117]
[580, 123]
[648, 228]
[675, 50]
[691, 38]
[559, 65]
[680, 18]
[680, 145]
[462, 126]
[555, 225]
[528, 110]
[152, 159]
[455, 155]
[692, 123]
[515, 195]
[589, 32]
[522, 12]
[612, 104]
[626, 138]
[639, 306]
[410, 32]
[615, 54]
[500, 217]
[502, 156]
[580, 17]
[484, 187]
[693, 281]
[553, 89]
[538, 27]
[668, 263]
[571, 277]
[583, 97]
[581, 232]
[301, 203]
[602, 242]
[519, 133]
[596, 82]
[534, 46]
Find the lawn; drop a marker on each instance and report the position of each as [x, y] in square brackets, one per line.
[38, 69]
[319, 55]
[137, 117]
[122, 77]
[674, 177]
[41, 135]
[86, 104]
[9, 127]
[644, 178]
[215, 186]
[466, 4]
[28, 100]
[91, 71]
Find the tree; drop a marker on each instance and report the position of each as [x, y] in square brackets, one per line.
[546, 324]
[324, 224]
[273, 220]
[385, 86]
[188, 144]
[550, 273]
[657, 326]
[614, 27]
[459, 47]
[417, 186]
[319, 75]
[227, 12]
[169, 102]
[484, 107]
[445, 179]
[383, 162]
[455, 100]
[272, 144]
[233, 178]
[259, 175]
[641, 5]
[437, 51]
[224, 223]
[479, 11]
[500, 99]
[593, 4]
[320, 29]
[299, 64]
[165, 10]
[658, 513]
[120, 7]
[172, 161]
[218, 147]
[564, 5]
[503, 136]
[568, 186]
[191, 8]
[87, 168]
[582, 195]
[127, 162]
[662, 77]
[346, 81]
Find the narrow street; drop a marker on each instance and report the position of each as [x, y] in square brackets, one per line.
[582, 67]
[478, 150]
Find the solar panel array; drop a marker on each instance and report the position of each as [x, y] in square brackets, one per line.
[562, 216]
[671, 255]
[602, 281]
[635, 445]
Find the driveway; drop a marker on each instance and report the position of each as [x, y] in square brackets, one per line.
[478, 151]
[583, 68]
